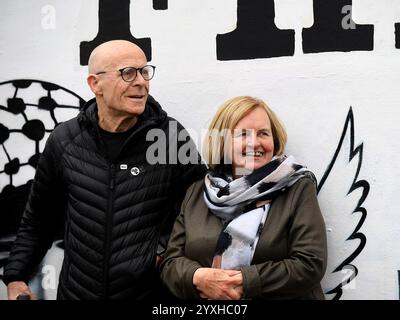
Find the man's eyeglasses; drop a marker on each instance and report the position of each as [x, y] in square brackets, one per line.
[129, 74]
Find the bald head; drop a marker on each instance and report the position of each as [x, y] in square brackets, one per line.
[119, 102]
[109, 54]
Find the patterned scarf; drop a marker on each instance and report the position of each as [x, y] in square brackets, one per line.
[229, 199]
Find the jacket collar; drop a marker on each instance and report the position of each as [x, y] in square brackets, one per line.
[153, 112]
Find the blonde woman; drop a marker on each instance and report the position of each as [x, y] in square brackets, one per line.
[252, 229]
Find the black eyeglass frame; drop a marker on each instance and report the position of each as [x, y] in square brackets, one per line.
[136, 72]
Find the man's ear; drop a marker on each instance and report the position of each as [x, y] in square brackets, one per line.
[94, 84]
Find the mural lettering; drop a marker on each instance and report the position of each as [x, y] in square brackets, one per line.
[114, 23]
[256, 35]
[160, 4]
[331, 31]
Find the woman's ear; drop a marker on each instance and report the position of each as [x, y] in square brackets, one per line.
[93, 83]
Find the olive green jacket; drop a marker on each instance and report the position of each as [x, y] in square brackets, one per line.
[290, 257]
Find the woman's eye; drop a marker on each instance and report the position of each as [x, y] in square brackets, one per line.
[241, 134]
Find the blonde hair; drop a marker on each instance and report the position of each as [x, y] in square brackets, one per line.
[226, 119]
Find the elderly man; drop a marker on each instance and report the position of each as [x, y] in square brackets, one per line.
[93, 178]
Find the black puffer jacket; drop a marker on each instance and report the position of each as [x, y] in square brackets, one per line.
[113, 219]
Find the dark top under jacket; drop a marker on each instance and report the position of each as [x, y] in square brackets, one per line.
[290, 257]
[113, 218]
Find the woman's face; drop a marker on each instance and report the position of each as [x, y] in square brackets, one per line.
[253, 143]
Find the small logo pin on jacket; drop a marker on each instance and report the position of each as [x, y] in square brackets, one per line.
[135, 171]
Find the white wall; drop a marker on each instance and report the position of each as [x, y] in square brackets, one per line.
[312, 93]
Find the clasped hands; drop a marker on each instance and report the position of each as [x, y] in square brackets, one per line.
[219, 284]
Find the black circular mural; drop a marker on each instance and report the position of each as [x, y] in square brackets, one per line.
[34, 128]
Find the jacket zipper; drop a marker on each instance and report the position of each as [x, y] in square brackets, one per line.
[108, 229]
[109, 217]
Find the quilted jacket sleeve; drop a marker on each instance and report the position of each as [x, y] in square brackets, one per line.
[41, 219]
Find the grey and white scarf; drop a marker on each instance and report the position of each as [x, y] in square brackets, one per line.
[229, 199]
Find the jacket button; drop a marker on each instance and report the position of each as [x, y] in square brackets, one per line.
[135, 171]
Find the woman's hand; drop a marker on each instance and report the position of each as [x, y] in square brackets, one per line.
[219, 284]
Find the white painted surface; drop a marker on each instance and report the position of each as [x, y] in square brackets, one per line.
[312, 93]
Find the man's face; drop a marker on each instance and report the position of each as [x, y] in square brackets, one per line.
[124, 98]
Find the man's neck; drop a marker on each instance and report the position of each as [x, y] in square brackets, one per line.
[113, 123]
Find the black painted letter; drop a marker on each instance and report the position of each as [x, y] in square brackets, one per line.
[113, 24]
[160, 4]
[397, 25]
[332, 30]
[256, 35]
